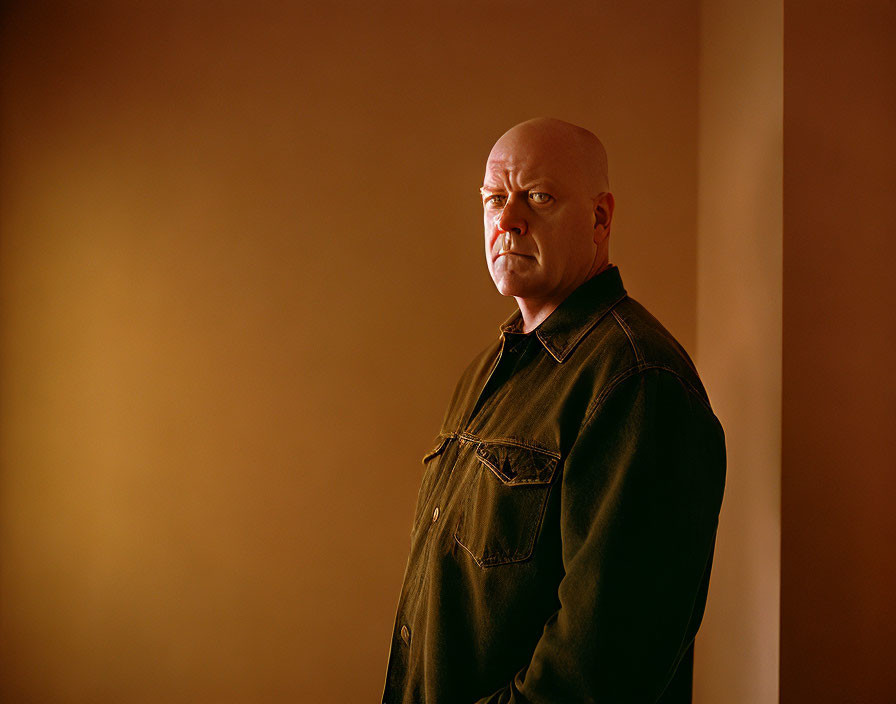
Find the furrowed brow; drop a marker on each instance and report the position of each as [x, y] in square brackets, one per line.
[541, 184]
[486, 191]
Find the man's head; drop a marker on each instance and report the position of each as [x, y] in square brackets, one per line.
[546, 210]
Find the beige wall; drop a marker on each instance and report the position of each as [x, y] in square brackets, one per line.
[838, 579]
[241, 269]
[795, 336]
[739, 286]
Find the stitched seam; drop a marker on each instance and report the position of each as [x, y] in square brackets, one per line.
[475, 559]
[608, 388]
[571, 344]
[546, 343]
[507, 481]
[488, 463]
[492, 558]
[610, 309]
[628, 333]
[469, 437]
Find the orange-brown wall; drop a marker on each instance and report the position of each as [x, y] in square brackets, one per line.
[241, 269]
[838, 577]
[739, 339]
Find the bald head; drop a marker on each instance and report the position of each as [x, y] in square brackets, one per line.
[546, 209]
[567, 148]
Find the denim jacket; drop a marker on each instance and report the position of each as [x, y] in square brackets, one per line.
[565, 524]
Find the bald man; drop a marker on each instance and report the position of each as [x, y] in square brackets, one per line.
[563, 536]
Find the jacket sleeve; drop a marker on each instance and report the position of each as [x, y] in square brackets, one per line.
[641, 490]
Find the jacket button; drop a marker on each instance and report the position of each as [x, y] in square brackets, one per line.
[435, 514]
[405, 634]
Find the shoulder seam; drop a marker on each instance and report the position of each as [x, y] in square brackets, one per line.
[628, 372]
[628, 333]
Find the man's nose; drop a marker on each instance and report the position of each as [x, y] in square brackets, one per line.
[512, 217]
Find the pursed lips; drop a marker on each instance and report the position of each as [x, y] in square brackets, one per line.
[519, 254]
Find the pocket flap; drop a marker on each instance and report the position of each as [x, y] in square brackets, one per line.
[514, 464]
[439, 446]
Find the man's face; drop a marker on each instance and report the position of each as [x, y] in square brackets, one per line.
[539, 218]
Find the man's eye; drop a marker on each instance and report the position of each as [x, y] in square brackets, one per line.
[495, 199]
[540, 197]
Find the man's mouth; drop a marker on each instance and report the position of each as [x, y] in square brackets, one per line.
[519, 254]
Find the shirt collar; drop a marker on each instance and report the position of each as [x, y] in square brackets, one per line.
[580, 311]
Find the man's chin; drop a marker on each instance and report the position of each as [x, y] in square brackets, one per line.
[517, 289]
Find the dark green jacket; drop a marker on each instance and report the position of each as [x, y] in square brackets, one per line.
[566, 519]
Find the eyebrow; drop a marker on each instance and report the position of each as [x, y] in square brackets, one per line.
[541, 183]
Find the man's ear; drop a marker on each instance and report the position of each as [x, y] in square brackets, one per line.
[603, 212]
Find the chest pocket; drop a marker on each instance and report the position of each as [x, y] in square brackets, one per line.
[504, 507]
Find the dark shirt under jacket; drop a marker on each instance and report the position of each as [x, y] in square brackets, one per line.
[565, 524]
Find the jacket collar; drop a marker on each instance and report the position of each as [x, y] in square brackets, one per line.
[580, 311]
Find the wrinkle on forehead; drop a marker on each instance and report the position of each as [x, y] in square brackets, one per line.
[552, 148]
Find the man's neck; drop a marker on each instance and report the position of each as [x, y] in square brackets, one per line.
[534, 312]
